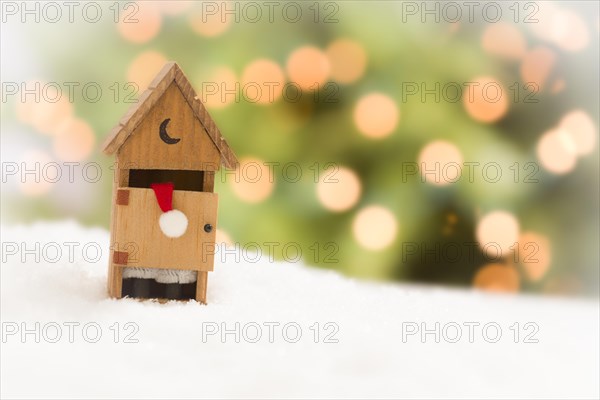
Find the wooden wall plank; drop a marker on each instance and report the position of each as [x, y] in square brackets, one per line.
[201, 286]
[195, 151]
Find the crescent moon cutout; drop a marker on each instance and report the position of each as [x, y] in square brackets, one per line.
[164, 135]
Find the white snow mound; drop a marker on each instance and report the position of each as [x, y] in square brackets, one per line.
[63, 338]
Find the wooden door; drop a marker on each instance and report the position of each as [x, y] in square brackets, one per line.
[141, 243]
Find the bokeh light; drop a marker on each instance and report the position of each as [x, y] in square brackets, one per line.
[362, 117]
[210, 24]
[579, 126]
[556, 151]
[263, 81]
[33, 185]
[308, 67]
[338, 189]
[546, 16]
[144, 68]
[535, 255]
[253, 181]
[348, 60]
[47, 114]
[560, 26]
[504, 40]
[571, 33]
[440, 163]
[376, 115]
[537, 66]
[497, 278]
[225, 91]
[375, 227]
[498, 233]
[142, 25]
[450, 224]
[48, 117]
[486, 99]
[74, 141]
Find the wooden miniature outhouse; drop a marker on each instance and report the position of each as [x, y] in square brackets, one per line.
[164, 211]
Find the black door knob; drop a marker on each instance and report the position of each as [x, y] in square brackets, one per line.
[208, 228]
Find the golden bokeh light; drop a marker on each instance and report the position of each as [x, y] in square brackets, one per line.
[74, 141]
[308, 67]
[537, 66]
[572, 32]
[557, 152]
[348, 60]
[498, 233]
[142, 25]
[339, 189]
[211, 24]
[50, 116]
[560, 26]
[223, 82]
[452, 218]
[47, 114]
[581, 130]
[440, 163]
[534, 255]
[144, 68]
[34, 185]
[486, 99]
[253, 181]
[376, 115]
[375, 227]
[263, 81]
[497, 278]
[504, 40]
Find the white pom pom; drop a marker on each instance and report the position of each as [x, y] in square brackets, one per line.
[173, 223]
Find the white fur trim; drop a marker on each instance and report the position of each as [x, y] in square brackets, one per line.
[173, 223]
[161, 275]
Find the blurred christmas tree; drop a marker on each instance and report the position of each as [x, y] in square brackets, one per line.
[371, 142]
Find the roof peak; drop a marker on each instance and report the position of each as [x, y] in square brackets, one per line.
[169, 73]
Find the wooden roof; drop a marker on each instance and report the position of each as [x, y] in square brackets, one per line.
[168, 74]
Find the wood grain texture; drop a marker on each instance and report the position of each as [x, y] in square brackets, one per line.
[136, 226]
[114, 140]
[115, 272]
[118, 281]
[208, 184]
[228, 158]
[146, 150]
[136, 238]
[135, 113]
[138, 112]
[165, 76]
[201, 286]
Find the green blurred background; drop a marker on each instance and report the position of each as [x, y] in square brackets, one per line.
[361, 135]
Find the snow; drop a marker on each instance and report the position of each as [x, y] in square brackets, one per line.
[176, 354]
